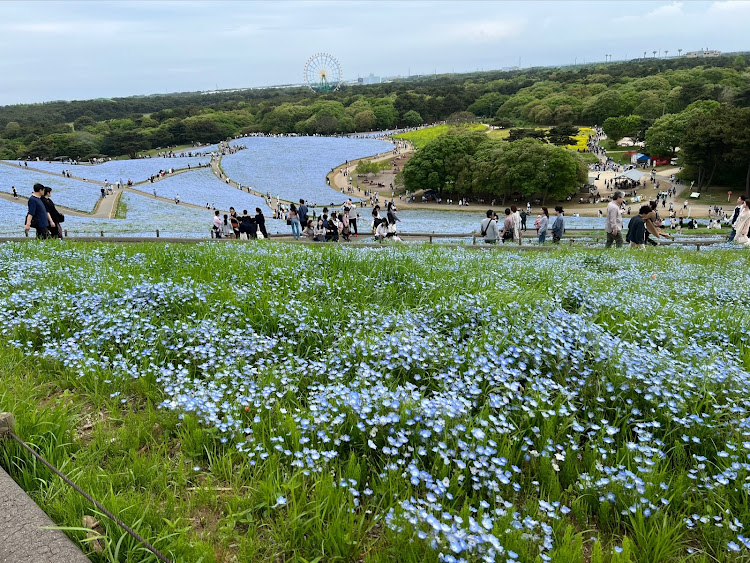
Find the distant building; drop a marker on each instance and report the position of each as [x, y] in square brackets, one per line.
[509, 68]
[372, 79]
[703, 53]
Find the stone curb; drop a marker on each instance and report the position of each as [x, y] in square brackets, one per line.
[23, 537]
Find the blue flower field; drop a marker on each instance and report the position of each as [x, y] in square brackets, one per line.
[275, 402]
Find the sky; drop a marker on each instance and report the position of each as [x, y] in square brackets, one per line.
[83, 50]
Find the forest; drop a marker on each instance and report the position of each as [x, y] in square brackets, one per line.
[697, 105]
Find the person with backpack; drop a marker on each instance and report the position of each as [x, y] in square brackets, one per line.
[488, 228]
[57, 217]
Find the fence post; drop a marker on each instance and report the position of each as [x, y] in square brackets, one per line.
[474, 239]
[66, 233]
[157, 233]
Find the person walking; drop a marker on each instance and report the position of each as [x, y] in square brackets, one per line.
[558, 228]
[292, 219]
[37, 216]
[488, 228]
[543, 223]
[57, 217]
[613, 224]
[637, 228]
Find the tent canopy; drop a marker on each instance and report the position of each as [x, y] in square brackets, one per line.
[640, 157]
[632, 174]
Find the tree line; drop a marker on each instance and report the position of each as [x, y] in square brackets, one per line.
[642, 94]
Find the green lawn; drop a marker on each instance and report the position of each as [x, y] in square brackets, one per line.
[409, 403]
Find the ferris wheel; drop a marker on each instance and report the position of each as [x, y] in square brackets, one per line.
[322, 73]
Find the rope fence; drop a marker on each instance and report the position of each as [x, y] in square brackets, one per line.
[7, 431]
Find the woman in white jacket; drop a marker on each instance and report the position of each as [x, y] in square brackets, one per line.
[742, 225]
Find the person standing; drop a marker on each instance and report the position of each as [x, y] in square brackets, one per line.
[613, 224]
[57, 217]
[508, 228]
[293, 220]
[217, 225]
[226, 227]
[558, 228]
[352, 217]
[37, 216]
[742, 225]
[516, 223]
[735, 215]
[524, 216]
[543, 223]
[260, 222]
[302, 212]
[488, 228]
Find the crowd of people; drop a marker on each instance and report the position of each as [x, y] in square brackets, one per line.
[515, 222]
[645, 228]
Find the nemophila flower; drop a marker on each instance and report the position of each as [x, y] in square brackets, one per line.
[437, 398]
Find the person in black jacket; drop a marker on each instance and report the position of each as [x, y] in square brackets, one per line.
[247, 225]
[260, 222]
[57, 217]
[637, 228]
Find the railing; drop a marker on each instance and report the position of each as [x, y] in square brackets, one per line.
[585, 239]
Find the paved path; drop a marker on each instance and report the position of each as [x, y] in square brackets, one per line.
[25, 536]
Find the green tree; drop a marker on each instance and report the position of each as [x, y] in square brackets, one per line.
[443, 163]
[386, 116]
[412, 119]
[83, 122]
[705, 143]
[12, 130]
[624, 126]
[365, 120]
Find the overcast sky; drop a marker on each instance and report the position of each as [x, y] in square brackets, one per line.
[81, 50]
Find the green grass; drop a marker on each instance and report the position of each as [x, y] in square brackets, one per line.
[421, 137]
[122, 207]
[185, 487]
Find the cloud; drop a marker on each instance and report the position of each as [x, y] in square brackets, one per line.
[484, 31]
